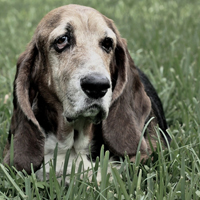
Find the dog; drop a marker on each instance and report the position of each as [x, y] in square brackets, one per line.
[76, 86]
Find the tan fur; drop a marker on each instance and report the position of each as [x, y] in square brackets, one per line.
[46, 87]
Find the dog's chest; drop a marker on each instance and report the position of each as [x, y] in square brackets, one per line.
[76, 142]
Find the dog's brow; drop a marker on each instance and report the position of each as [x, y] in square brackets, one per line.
[110, 33]
[69, 27]
[59, 31]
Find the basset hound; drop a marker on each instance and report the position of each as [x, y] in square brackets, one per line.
[76, 85]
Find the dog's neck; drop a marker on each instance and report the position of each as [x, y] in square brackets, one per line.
[80, 126]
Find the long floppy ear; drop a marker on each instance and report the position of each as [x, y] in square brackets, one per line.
[28, 138]
[130, 106]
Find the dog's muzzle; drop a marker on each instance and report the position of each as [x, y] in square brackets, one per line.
[96, 89]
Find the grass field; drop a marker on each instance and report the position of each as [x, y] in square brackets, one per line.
[164, 40]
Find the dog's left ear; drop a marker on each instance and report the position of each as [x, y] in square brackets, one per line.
[130, 105]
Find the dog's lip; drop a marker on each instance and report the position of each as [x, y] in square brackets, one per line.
[97, 113]
[91, 110]
[94, 106]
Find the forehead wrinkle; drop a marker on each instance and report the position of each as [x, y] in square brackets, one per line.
[86, 20]
[61, 28]
[92, 28]
[88, 26]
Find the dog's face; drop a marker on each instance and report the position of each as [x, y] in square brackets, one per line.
[80, 49]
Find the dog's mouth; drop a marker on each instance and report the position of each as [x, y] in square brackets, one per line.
[94, 113]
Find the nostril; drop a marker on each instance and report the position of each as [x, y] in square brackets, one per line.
[95, 85]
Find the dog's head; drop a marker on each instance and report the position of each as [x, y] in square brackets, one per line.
[76, 50]
[78, 62]
[79, 49]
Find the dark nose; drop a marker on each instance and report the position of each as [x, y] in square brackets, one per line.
[95, 85]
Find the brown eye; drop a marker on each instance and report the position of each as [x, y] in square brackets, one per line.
[107, 44]
[61, 43]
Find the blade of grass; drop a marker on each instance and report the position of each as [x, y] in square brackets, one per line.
[168, 145]
[142, 135]
[135, 178]
[13, 182]
[28, 188]
[35, 183]
[67, 155]
[95, 169]
[55, 156]
[138, 187]
[183, 177]
[3, 196]
[150, 185]
[44, 171]
[104, 166]
[120, 183]
[51, 183]
[69, 191]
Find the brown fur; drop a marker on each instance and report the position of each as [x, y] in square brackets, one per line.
[38, 109]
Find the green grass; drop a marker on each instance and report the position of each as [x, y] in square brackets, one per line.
[164, 40]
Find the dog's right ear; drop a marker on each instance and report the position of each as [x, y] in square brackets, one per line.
[28, 138]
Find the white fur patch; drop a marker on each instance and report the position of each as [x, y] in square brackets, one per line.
[79, 151]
